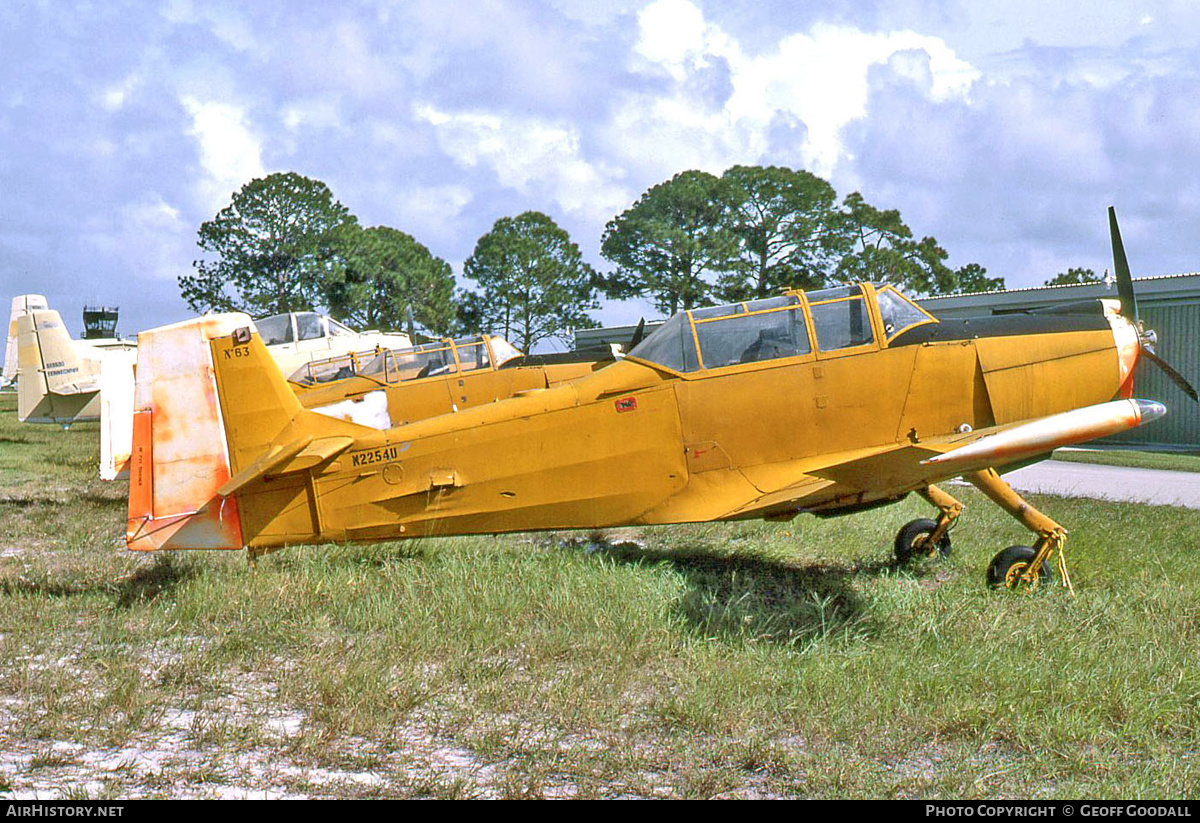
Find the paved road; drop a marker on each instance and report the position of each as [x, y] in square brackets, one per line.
[1109, 483]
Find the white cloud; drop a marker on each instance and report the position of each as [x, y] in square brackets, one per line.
[819, 77]
[149, 237]
[529, 154]
[230, 152]
[228, 25]
[673, 35]
[432, 214]
[116, 96]
[321, 113]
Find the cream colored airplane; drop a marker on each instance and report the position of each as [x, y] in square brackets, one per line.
[64, 381]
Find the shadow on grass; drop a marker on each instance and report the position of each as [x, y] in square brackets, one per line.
[31, 502]
[104, 498]
[143, 586]
[116, 498]
[758, 600]
[148, 582]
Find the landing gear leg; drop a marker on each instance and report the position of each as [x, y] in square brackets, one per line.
[928, 537]
[1022, 566]
[948, 508]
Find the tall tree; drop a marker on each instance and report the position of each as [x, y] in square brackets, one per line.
[884, 249]
[789, 231]
[665, 243]
[389, 281]
[1074, 276]
[270, 250]
[534, 282]
[973, 278]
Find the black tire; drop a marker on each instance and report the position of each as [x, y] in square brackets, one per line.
[910, 532]
[1006, 568]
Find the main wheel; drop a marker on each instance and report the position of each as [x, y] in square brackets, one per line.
[1006, 568]
[910, 532]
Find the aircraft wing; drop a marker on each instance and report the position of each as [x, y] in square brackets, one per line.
[892, 470]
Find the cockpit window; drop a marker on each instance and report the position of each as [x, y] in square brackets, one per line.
[728, 335]
[336, 328]
[308, 326]
[275, 329]
[426, 360]
[840, 318]
[670, 345]
[713, 312]
[413, 363]
[762, 330]
[472, 353]
[898, 312]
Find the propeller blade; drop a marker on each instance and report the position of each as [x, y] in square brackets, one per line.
[1121, 270]
[638, 333]
[1176, 378]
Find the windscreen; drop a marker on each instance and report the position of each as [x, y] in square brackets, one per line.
[275, 329]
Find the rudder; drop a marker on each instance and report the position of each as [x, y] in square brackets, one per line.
[209, 401]
[21, 304]
[179, 455]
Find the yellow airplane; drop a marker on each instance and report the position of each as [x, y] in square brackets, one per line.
[825, 402]
[388, 388]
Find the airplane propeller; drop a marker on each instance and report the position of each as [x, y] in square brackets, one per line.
[1129, 310]
[638, 333]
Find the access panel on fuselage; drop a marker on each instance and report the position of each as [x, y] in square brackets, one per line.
[747, 416]
[858, 398]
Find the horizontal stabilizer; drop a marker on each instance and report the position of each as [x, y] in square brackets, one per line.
[299, 456]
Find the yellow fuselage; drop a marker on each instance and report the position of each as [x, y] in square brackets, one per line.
[631, 444]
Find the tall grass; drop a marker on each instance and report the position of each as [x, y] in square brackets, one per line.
[710, 660]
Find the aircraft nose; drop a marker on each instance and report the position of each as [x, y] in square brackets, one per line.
[1125, 336]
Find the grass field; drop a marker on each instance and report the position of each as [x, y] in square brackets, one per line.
[752, 660]
[1166, 461]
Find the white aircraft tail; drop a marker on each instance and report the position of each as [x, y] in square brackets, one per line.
[55, 383]
[117, 373]
[20, 305]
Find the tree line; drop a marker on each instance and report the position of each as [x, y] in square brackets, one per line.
[285, 244]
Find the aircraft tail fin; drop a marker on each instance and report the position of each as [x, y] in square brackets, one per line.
[179, 452]
[117, 375]
[21, 304]
[213, 415]
[55, 383]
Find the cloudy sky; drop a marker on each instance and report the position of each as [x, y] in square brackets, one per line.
[1004, 128]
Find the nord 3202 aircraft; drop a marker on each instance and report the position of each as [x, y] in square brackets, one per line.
[824, 402]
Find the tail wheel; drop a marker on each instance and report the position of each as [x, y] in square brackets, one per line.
[905, 550]
[1006, 569]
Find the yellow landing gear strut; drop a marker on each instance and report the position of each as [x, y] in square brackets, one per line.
[1022, 567]
[929, 538]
